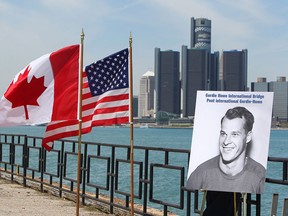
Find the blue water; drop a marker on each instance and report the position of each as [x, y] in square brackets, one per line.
[180, 139]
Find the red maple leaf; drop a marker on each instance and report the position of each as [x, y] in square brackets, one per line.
[22, 93]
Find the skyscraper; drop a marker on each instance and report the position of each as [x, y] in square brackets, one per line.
[213, 71]
[233, 70]
[200, 34]
[194, 68]
[199, 68]
[167, 81]
[146, 95]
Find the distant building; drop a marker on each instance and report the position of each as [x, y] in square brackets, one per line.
[280, 89]
[135, 106]
[280, 104]
[199, 68]
[213, 77]
[167, 81]
[194, 76]
[146, 95]
[233, 70]
[200, 34]
[260, 85]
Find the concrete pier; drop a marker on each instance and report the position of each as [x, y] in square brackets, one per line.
[17, 200]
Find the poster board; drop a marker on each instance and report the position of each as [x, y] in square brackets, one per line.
[211, 106]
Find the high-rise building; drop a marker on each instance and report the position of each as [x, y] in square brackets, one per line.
[167, 81]
[233, 70]
[199, 68]
[200, 34]
[213, 77]
[146, 95]
[280, 89]
[194, 76]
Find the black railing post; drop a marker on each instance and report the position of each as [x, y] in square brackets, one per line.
[188, 203]
[248, 204]
[196, 200]
[25, 159]
[42, 161]
[165, 210]
[285, 176]
[166, 157]
[61, 168]
[258, 204]
[84, 171]
[146, 181]
[12, 156]
[112, 176]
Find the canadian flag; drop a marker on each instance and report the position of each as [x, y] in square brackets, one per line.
[45, 90]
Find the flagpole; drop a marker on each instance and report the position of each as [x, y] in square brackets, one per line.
[80, 123]
[131, 127]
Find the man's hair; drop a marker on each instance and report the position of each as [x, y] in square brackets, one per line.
[240, 112]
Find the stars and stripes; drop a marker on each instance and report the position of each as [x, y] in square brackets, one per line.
[109, 73]
[105, 98]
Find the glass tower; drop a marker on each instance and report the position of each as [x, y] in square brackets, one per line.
[167, 81]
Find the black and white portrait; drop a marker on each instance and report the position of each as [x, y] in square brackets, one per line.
[230, 141]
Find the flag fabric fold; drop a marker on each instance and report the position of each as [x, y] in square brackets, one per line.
[105, 98]
[45, 90]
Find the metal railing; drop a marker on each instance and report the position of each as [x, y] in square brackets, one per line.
[105, 174]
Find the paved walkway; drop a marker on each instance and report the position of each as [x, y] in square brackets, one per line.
[17, 200]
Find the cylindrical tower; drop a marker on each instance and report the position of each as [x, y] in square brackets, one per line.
[201, 33]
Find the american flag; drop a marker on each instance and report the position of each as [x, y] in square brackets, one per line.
[105, 98]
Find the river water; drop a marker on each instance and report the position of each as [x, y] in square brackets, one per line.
[179, 138]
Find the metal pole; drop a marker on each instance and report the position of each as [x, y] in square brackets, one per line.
[131, 128]
[80, 124]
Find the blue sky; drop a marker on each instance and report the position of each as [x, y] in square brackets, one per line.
[32, 28]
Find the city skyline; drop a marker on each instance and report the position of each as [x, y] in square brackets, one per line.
[31, 29]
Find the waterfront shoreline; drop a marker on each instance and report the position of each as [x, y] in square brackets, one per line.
[91, 207]
[17, 200]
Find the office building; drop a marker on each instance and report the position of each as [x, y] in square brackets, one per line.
[280, 103]
[280, 89]
[200, 34]
[199, 68]
[233, 71]
[213, 77]
[194, 76]
[167, 81]
[261, 85]
[146, 95]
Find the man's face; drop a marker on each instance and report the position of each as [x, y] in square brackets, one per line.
[233, 138]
